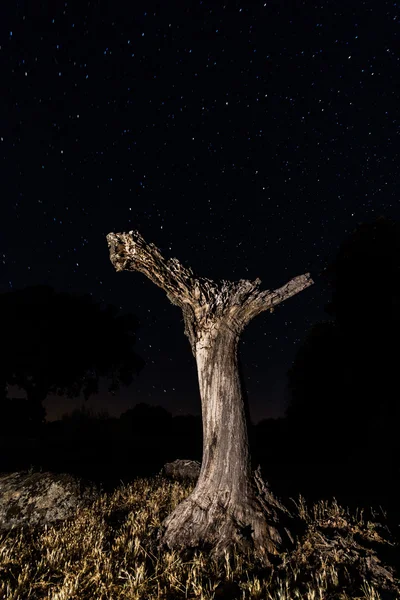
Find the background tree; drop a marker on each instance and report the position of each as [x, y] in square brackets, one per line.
[228, 508]
[62, 343]
[344, 389]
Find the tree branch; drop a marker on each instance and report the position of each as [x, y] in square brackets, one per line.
[130, 252]
[267, 300]
[202, 297]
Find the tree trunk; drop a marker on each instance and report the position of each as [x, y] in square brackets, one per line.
[230, 508]
[224, 511]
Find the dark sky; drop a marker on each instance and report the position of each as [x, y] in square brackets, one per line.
[245, 139]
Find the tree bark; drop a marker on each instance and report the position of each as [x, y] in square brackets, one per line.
[230, 508]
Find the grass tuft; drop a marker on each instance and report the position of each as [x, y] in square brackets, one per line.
[110, 550]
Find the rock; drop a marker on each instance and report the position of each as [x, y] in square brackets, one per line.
[34, 499]
[182, 469]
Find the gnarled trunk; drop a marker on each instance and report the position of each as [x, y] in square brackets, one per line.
[225, 510]
[230, 507]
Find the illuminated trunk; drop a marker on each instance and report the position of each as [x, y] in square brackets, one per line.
[230, 508]
[226, 455]
[226, 511]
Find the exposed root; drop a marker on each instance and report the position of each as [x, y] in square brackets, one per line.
[256, 525]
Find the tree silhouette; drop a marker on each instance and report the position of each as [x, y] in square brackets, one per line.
[63, 343]
[145, 419]
[229, 508]
[343, 382]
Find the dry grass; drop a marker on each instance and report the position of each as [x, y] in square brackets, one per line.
[109, 551]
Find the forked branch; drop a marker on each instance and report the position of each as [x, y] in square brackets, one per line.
[243, 299]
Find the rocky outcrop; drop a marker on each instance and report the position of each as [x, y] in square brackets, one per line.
[182, 469]
[34, 499]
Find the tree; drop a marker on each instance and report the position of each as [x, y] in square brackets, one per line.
[62, 343]
[343, 380]
[228, 509]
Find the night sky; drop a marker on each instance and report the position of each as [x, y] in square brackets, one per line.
[245, 139]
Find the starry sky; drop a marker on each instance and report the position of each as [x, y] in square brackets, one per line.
[246, 139]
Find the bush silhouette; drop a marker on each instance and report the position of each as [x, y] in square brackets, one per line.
[144, 420]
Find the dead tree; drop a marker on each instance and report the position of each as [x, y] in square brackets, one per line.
[229, 508]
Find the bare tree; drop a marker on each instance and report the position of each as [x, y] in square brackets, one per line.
[230, 507]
